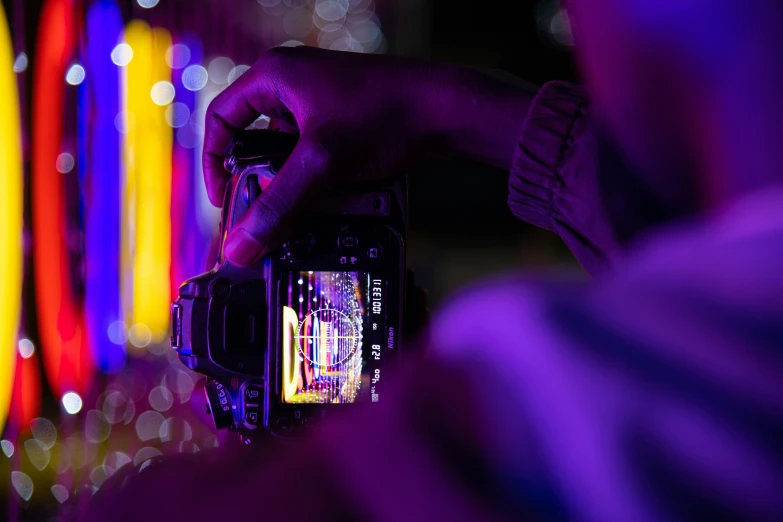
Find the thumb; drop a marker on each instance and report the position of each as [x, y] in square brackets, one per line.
[272, 216]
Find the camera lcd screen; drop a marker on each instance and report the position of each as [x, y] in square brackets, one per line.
[334, 328]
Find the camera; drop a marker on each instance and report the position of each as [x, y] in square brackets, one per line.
[314, 327]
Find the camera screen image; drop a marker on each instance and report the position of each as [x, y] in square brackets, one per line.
[333, 329]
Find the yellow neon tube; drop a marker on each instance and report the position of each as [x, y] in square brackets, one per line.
[148, 178]
[10, 218]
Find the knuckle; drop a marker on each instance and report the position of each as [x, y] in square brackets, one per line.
[274, 58]
[317, 159]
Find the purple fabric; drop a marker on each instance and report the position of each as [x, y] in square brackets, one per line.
[554, 180]
[654, 395]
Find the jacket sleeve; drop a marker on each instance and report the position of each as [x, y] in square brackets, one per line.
[554, 181]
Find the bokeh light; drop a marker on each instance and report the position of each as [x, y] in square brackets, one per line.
[21, 62]
[61, 458]
[60, 493]
[23, 484]
[75, 74]
[44, 431]
[115, 406]
[122, 54]
[148, 4]
[177, 114]
[175, 429]
[162, 93]
[140, 335]
[148, 425]
[81, 452]
[297, 4]
[125, 122]
[72, 402]
[26, 348]
[178, 56]
[180, 382]
[236, 72]
[161, 398]
[195, 77]
[118, 332]
[219, 69]
[36, 454]
[99, 474]
[331, 10]
[298, 23]
[65, 163]
[7, 447]
[552, 20]
[97, 427]
[117, 460]
[146, 453]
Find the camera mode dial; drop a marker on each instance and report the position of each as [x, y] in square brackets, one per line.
[220, 404]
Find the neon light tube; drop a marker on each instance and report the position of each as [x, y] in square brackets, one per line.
[67, 360]
[26, 404]
[148, 148]
[102, 164]
[190, 242]
[10, 218]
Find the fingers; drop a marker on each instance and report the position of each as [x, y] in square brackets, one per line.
[272, 216]
[230, 112]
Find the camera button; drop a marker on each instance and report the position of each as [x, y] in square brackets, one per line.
[219, 288]
[348, 241]
[374, 252]
[252, 394]
[252, 418]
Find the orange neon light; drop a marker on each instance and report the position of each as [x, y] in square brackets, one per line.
[67, 360]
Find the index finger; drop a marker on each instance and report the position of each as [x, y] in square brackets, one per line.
[230, 112]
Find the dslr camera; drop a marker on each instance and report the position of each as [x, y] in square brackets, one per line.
[312, 328]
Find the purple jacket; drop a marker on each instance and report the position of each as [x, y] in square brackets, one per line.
[652, 393]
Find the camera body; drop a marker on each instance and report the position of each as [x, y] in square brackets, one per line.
[311, 328]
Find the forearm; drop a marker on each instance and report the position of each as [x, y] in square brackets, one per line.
[479, 114]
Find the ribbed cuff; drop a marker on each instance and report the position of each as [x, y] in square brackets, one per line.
[547, 136]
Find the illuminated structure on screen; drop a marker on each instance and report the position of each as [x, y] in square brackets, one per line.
[102, 177]
[148, 145]
[10, 218]
[67, 360]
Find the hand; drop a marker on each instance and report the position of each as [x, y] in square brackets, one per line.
[358, 117]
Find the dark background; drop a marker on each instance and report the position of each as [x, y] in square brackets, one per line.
[460, 225]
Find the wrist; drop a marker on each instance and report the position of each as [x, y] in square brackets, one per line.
[476, 114]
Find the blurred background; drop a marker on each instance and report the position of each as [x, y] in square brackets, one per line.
[107, 99]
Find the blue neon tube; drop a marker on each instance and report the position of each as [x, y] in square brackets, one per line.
[103, 203]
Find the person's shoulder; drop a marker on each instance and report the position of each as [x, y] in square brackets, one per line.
[504, 310]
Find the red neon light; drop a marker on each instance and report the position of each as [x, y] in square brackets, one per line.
[66, 357]
[26, 403]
